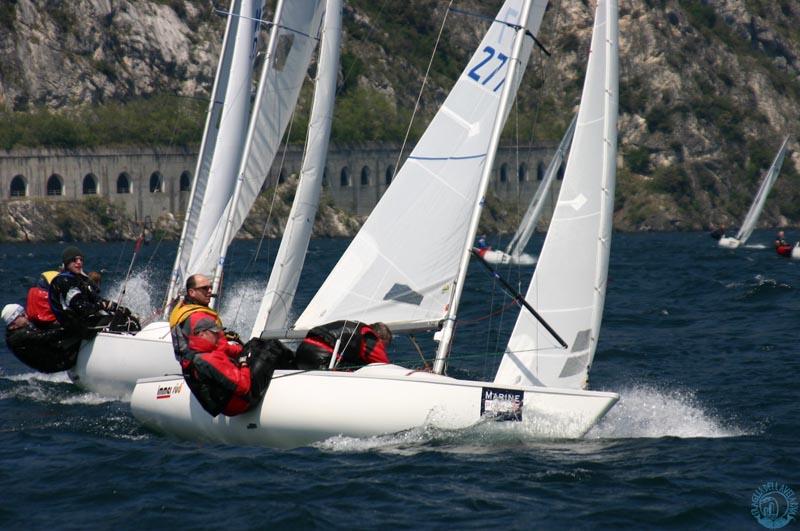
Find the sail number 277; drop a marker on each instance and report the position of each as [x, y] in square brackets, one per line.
[484, 75]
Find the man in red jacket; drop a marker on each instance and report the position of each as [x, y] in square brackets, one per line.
[223, 376]
[359, 344]
[37, 307]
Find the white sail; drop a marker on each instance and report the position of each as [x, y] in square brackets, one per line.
[220, 151]
[401, 265]
[531, 218]
[285, 274]
[288, 56]
[569, 284]
[751, 219]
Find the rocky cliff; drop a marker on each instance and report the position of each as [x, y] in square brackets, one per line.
[707, 90]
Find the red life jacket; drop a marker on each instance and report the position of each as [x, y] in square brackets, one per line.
[38, 307]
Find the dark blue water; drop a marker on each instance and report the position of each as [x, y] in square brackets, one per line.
[701, 344]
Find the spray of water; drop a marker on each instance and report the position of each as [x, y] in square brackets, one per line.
[649, 412]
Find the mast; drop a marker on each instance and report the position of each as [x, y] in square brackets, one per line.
[217, 279]
[446, 334]
[285, 275]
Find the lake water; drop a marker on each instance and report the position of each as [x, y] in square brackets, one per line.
[699, 342]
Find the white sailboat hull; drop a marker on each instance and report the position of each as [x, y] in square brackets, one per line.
[729, 242]
[301, 408]
[110, 364]
[796, 251]
[499, 257]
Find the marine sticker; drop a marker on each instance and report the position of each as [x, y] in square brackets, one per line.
[166, 391]
[502, 404]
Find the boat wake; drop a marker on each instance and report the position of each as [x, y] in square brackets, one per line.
[47, 388]
[644, 412]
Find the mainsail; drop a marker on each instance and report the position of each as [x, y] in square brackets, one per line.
[528, 224]
[574, 257]
[220, 151]
[402, 264]
[750, 220]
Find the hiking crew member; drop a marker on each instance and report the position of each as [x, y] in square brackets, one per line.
[37, 307]
[223, 376]
[46, 350]
[75, 300]
[359, 345]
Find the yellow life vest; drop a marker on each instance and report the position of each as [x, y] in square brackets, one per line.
[182, 311]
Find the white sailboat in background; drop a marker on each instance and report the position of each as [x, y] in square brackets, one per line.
[434, 204]
[751, 218]
[514, 253]
[232, 166]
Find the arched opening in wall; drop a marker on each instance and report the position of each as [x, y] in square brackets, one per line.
[560, 174]
[504, 173]
[124, 183]
[389, 175]
[344, 177]
[282, 176]
[365, 176]
[540, 171]
[522, 173]
[19, 188]
[325, 182]
[55, 186]
[156, 183]
[89, 184]
[186, 181]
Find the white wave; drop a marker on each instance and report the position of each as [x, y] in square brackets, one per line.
[139, 293]
[650, 412]
[39, 389]
[57, 377]
[240, 305]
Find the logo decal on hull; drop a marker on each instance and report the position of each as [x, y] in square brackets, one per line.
[167, 391]
[502, 404]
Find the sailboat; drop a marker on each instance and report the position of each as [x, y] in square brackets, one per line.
[751, 218]
[514, 253]
[441, 188]
[232, 166]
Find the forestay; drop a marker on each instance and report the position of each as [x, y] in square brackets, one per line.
[401, 265]
[574, 257]
[528, 224]
[221, 148]
[750, 220]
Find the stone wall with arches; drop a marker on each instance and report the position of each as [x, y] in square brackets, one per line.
[152, 182]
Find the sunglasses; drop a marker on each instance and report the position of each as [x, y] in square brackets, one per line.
[204, 288]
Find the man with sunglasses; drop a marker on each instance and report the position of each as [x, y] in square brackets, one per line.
[224, 376]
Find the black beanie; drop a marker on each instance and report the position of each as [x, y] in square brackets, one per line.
[70, 253]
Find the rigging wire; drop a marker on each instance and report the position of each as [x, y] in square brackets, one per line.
[422, 87]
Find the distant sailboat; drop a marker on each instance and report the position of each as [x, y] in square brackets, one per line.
[751, 218]
[434, 204]
[514, 253]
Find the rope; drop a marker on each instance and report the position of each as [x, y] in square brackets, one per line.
[422, 87]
